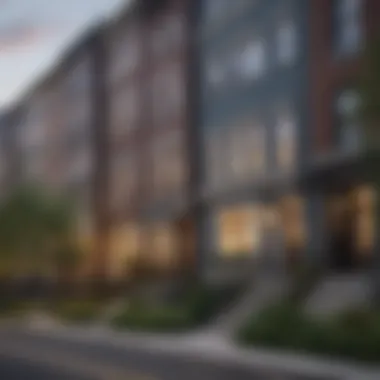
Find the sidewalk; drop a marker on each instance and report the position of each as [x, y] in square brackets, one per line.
[212, 348]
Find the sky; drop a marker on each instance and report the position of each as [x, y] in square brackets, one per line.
[34, 32]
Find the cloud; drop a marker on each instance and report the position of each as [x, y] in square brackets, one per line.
[15, 37]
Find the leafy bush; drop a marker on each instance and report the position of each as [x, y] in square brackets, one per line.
[196, 306]
[77, 311]
[137, 317]
[353, 334]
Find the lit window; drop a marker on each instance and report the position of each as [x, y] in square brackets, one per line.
[348, 25]
[252, 60]
[238, 231]
[124, 242]
[349, 134]
[286, 43]
[286, 140]
[164, 241]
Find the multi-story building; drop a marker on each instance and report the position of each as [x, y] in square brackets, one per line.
[124, 42]
[281, 135]
[167, 210]
[11, 168]
[253, 58]
[149, 170]
[215, 131]
[81, 140]
[61, 134]
[342, 200]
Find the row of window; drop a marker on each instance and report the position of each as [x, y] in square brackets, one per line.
[168, 170]
[217, 10]
[249, 59]
[167, 99]
[241, 153]
[125, 53]
[126, 245]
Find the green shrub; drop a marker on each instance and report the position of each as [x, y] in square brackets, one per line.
[353, 334]
[77, 311]
[138, 317]
[196, 306]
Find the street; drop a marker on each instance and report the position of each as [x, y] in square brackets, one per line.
[24, 356]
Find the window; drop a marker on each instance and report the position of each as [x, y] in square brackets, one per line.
[123, 180]
[124, 111]
[215, 74]
[79, 79]
[80, 165]
[216, 160]
[285, 132]
[168, 165]
[238, 231]
[286, 43]
[248, 156]
[124, 54]
[174, 30]
[124, 249]
[169, 82]
[164, 245]
[252, 60]
[349, 134]
[215, 8]
[348, 25]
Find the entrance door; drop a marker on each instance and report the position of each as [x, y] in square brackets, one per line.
[341, 227]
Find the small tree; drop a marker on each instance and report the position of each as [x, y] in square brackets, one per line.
[36, 231]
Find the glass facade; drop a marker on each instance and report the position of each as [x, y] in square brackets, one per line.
[238, 232]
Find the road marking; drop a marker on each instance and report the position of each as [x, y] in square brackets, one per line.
[59, 360]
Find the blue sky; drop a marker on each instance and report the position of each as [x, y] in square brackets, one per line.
[33, 32]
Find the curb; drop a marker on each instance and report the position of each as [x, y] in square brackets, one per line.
[219, 352]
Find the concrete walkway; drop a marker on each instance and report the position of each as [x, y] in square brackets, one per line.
[212, 348]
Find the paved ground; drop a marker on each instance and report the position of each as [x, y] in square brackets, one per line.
[24, 356]
[20, 369]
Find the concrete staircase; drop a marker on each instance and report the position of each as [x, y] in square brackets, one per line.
[338, 292]
[262, 292]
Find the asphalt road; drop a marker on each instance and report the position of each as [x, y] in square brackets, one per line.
[19, 369]
[26, 356]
